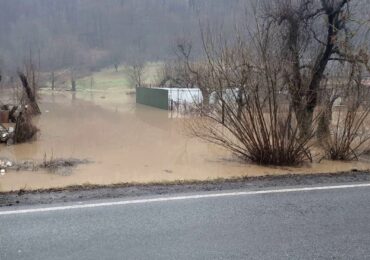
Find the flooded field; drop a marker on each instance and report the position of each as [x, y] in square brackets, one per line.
[126, 143]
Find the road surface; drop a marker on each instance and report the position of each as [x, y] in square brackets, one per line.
[308, 223]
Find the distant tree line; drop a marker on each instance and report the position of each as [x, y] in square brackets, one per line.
[94, 33]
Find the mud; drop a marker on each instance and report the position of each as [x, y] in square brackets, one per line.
[127, 143]
[122, 190]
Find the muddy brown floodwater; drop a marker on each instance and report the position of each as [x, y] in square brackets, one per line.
[127, 143]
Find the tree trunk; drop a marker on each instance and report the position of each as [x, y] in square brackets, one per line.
[205, 95]
[240, 103]
[52, 80]
[73, 81]
[73, 85]
[304, 120]
[323, 127]
[30, 94]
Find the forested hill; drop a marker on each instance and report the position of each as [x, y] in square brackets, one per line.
[96, 33]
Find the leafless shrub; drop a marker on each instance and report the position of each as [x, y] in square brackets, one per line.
[263, 138]
[266, 87]
[249, 112]
[348, 129]
[59, 165]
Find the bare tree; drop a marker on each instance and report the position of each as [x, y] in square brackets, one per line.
[175, 74]
[312, 35]
[135, 72]
[348, 131]
[25, 130]
[249, 114]
[52, 79]
[30, 94]
[73, 80]
[266, 84]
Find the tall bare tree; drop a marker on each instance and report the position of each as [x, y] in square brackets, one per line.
[313, 35]
[266, 84]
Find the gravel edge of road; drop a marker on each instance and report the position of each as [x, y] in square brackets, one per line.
[96, 192]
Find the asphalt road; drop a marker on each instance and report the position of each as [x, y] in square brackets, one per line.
[310, 224]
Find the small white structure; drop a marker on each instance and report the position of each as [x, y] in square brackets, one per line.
[184, 95]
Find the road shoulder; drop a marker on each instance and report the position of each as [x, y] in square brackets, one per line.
[93, 192]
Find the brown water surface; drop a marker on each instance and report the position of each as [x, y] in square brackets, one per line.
[127, 143]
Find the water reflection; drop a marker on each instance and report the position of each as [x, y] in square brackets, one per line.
[73, 97]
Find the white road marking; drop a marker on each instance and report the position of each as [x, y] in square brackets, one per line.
[177, 198]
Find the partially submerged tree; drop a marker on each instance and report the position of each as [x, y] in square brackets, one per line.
[24, 130]
[313, 35]
[265, 85]
[21, 114]
[31, 98]
[348, 122]
[24, 105]
[249, 114]
[73, 80]
[52, 79]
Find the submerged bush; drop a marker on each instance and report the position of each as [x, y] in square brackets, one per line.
[24, 130]
[348, 136]
[348, 126]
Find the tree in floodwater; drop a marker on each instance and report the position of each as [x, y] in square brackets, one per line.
[265, 84]
[312, 36]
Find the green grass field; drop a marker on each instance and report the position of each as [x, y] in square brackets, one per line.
[107, 79]
[110, 79]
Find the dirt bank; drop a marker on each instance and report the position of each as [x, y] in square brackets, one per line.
[95, 192]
